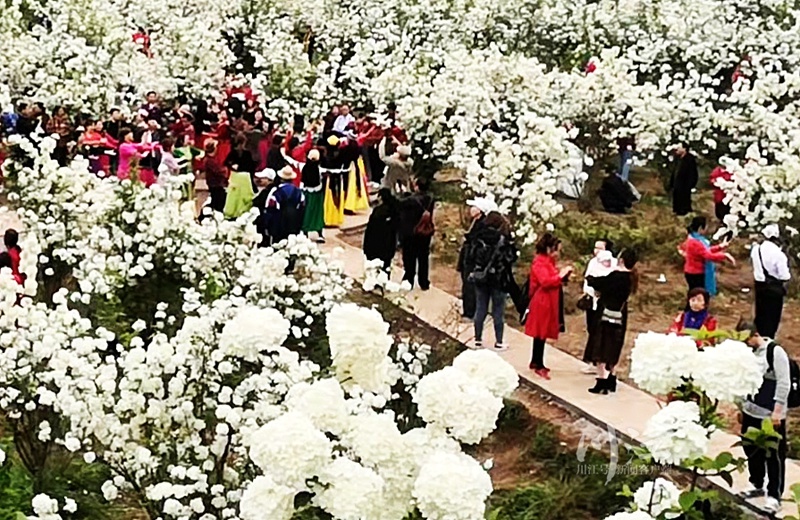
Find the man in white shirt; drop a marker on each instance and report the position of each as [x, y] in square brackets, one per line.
[344, 120]
[771, 272]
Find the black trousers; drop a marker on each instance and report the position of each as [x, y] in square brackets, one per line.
[416, 255]
[769, 308]
[218, 196]
[467, 297]
[695, 280]
[537, 353]
[761, 463]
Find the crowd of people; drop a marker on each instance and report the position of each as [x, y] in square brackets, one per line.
[301, 178]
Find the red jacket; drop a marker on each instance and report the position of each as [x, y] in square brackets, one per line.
[545, 285]
[696, 254]
[710, 324]
[719, 173]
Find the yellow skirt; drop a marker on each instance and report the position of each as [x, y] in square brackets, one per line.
[357, 198]
[334, 212]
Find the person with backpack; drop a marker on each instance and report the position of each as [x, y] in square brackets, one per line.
[479, 208]
[771, 273]
[416, 231]
[778, 392]
[492, 256]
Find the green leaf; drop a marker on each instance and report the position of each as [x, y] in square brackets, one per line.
[687, 500]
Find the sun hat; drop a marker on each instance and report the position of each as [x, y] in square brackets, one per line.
[404, 150]
[287, 173]
[313, 155]
[267, 173]
[484, 204]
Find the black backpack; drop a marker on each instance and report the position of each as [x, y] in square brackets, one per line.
[793, 401]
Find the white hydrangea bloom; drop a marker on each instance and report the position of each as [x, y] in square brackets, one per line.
[290, 449]
[661, 500]
[452, 487]
[359, 341]
[349, 491]
[253, 330]
[659, 361]
[265, 498]
[490, 369]
[674, 434]
[321, 401]
[729, 371]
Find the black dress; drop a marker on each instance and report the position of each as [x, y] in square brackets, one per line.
[607, 335]
[684, 180]
[380, 237]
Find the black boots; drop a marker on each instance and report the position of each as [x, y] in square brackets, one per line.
[604, 386]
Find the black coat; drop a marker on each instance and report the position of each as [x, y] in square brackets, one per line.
[684, 180]
[491, 252]
[242, 159]
[380, 237]
[615, 194]
[411, 209]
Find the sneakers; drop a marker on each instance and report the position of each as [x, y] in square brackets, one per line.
[752, 492]
[499, 347]
[772, 505]
[589, 369]
[475, 345]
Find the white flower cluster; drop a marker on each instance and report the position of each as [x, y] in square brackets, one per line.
[729, 371]
[675, 434]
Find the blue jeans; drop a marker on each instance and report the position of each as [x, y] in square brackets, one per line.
[483, 294]
[625, 163]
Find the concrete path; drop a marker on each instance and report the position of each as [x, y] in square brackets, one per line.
[623, 414]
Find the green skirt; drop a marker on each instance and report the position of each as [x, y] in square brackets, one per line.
[314, 216]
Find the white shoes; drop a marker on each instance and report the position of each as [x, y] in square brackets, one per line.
[500, 347]
[752, 492]
[475, 345]
[772, 505]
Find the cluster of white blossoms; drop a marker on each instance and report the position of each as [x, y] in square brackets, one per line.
[209, 405]
[729, 371]
[489, 89]
[674, 434]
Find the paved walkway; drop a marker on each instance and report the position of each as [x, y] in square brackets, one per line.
[624, 413]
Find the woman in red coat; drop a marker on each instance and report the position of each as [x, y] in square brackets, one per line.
[544, 306]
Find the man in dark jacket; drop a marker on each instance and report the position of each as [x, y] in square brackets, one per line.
[684, 181]
[416, 246]
[285, 207]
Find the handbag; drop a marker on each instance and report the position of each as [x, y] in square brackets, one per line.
[586, 303]
[773, 285]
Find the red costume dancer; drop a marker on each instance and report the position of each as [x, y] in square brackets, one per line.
[298, 153]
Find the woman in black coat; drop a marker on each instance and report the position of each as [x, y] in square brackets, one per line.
[380, 237]
[683, 182]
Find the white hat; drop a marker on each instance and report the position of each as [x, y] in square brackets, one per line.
[404, 150]
[313, 155]
[287, 173]
[605, 256]
[771, 231]
[267, 173]
[484, 204]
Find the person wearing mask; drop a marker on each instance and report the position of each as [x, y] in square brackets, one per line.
[285, 207]
[608, 334]
[719, 175]
[544, 308]
[492, 257]
[601, 264]
[416, 232]
[479, 207]
[314, 214]
[683, 181]
[769, 403]
[380, 237]
[700, 257]
[399, 167]
[771, 274]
